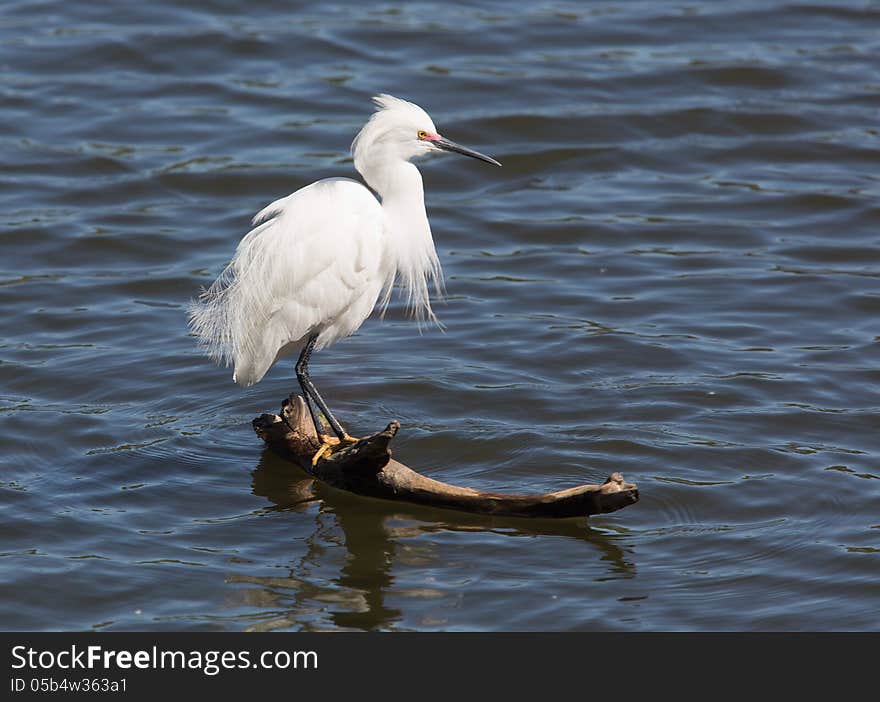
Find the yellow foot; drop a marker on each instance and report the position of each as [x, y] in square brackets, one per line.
[329, 444]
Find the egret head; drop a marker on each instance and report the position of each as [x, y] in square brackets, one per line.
[401, 130]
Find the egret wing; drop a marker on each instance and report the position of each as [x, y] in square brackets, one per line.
[310, 259]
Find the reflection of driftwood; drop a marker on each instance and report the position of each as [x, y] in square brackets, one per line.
[366, 468]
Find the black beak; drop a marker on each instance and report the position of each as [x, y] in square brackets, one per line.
[446, 145]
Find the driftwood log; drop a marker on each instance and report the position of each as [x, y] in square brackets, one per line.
[366, 468]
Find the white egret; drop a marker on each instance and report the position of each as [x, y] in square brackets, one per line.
[316, 262]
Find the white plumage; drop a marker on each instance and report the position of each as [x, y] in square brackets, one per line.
[316, 262]
[309, 266]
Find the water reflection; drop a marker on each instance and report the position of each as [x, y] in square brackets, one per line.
[376, 537]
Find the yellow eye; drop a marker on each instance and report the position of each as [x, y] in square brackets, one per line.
[422, 134]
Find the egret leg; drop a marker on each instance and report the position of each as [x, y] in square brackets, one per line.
[302, 375]
[315, 402]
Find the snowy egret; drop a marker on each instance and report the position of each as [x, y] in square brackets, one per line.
[316, 262]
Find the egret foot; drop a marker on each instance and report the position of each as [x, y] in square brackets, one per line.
[330, 444]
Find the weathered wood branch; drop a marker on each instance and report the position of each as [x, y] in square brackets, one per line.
[366, 468]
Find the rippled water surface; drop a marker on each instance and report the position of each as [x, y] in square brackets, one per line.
[675, 275]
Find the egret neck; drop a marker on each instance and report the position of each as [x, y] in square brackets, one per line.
[410, 249]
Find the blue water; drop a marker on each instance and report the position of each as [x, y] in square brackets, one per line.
[674, 275]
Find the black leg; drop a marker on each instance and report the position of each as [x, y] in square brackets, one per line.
[313, 410]
[311, 393]
[302, 375]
